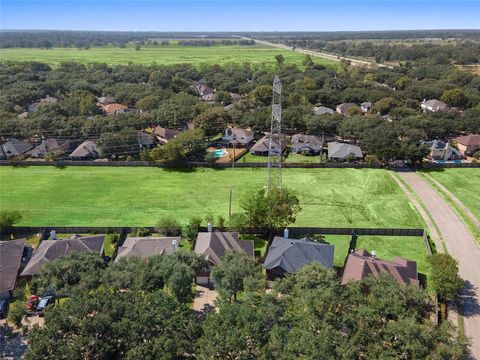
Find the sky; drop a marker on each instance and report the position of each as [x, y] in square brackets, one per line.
[238, 15]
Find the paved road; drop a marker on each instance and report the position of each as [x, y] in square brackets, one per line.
[321, 54]
[462, 246]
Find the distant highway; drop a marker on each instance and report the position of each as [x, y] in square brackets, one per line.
[355, 62]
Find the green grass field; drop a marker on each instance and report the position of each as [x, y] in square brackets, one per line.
[138, 196]
[165, 55]
[463, 183]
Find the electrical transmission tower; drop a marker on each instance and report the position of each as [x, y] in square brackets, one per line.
[274, 171]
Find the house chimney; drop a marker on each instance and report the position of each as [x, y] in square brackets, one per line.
[174, 245]
[285, 233]
[374, 255]
[209, 227]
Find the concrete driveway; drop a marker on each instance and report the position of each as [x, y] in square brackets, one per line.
[204, 300]
[461, 244]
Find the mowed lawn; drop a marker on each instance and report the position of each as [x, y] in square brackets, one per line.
[463, 183]
[140, 196]
[165, 55]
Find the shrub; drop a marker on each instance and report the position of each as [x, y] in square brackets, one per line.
[142, 232]
[112, 237]
[169, 227]
[16, 313]
[445, 278]
[9, 218]
[190, 230]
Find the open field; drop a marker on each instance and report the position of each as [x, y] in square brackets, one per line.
[165, 55]
[136, 196]
[463, 183]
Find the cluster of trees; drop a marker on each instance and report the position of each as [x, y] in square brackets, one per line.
[225, 42]
[307, 315]
[163, 95]
[86, 39]
[465, 52]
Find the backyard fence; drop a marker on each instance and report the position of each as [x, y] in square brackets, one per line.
[333, 165]
[293, 231]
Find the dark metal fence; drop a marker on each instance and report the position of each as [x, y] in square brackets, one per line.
[239, 164]
[293, 231]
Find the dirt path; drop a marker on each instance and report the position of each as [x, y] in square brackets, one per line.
[461, 245]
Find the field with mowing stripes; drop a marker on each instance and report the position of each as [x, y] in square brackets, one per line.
[138, 196]
[162, 55]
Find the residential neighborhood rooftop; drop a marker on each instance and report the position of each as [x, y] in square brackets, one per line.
[11, 252]
[145, 247]
[213, 245]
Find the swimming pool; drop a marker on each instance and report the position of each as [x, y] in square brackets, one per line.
[218, 152]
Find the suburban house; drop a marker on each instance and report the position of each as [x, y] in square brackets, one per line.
[48, 100]
[320, 110]
[235, 97]
[209, 97]
[348, 108]
[289, 255]
[11, 256]
[341, 151]
[361, 264]
[146, 247]
[262, 147]
[213, 245]
[114, 109]
[49, 250]
[145, 140]
[306, 144]
[85, 151]
[14, 147]
[105, 100]
[202, 88]
[238, 136]
[59, 147]
[468, 144]
[365, 106]
[434, 105]
[164, 135]
[440, 150]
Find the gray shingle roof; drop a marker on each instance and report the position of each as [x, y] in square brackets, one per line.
[300, 140]
[15, 147]
[338, 150]
[146, 247]
[11, 252]
[49, 250]
[263, 145]
[320, 110]
[86, 149]
[292, 254]
[212, 246]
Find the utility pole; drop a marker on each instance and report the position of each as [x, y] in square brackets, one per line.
[274, 170]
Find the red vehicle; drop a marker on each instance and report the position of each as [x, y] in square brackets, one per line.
[31, 305]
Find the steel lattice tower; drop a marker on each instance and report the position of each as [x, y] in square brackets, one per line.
[274, 170]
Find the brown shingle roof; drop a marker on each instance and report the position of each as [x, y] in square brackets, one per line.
[469, 140]
[11, 253]
[165, 133]
[114, 108]
[49, 250]
[361, 264]
[146, 247]
[213, 245]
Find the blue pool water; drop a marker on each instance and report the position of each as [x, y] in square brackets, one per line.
[218, 153]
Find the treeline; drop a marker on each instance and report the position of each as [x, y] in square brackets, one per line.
[85, 39]
[467, 52]
[364, 35]
[225, 42]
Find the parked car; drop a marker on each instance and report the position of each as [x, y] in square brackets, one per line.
[31, 305]
[42, 304]
[3, 309]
